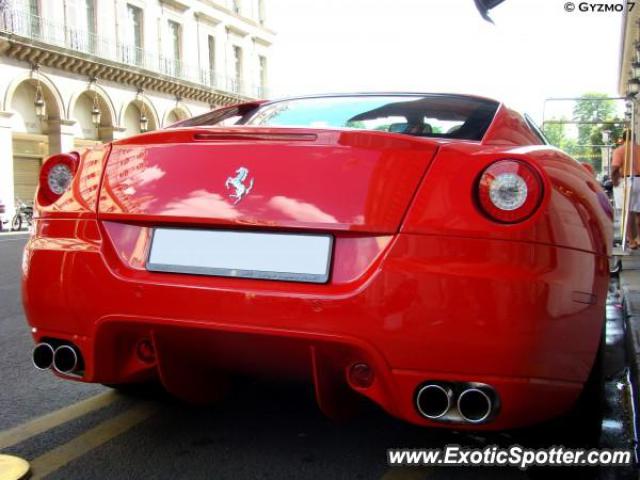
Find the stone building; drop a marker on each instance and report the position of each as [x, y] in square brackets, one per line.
[77, 72]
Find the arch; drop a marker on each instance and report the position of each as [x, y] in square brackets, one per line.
[104, 101]
[182, 113]
[152, 113]
[52, 96]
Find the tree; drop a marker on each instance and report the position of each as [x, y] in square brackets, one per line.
[596, 112]
[555, 133]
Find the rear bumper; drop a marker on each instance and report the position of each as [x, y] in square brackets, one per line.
[523, 318]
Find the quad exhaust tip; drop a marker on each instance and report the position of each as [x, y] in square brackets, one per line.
[65, 359]
[475, 405]
[457, 402]
[434, 401]
[42, 356]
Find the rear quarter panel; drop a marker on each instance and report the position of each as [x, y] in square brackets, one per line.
[563, 248]
[570, 216]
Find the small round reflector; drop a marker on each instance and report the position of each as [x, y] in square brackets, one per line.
[361, 375]
[509, 191]
[146, 351]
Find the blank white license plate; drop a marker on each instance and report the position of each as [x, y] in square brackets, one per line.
[272, 256]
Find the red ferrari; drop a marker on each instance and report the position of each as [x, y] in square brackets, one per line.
[430, 252]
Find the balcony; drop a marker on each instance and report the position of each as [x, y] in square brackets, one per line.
[38, 29]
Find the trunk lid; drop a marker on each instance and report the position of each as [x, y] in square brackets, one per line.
[273, 178]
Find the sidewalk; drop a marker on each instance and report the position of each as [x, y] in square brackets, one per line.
[630, 289]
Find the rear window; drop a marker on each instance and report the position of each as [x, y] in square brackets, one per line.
[444, 116]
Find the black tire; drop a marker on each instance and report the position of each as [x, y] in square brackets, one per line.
[582, 425]
[579, 428]
[16, 223]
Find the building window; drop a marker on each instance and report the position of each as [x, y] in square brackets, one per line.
[86, 25]
[80, 25]
[135, 36]
[237, 57]
[88, 15]
[175, 48]
[33, 26]
[211, 42]
[263, 75]
[236, 7]
[34, 7]
[92, 24]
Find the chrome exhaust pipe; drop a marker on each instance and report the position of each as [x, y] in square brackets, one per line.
[65, 359]
[42, 356]
[475, 405]
[433, 401]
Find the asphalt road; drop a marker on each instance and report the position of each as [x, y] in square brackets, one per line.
[262, 430]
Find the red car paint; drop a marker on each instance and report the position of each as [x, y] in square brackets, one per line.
[423, 286]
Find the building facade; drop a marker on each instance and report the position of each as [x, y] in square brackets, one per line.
[78, 72]
[629, 73]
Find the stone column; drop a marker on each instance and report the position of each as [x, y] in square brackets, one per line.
[61, 135]
[109, 133]
[7, 193]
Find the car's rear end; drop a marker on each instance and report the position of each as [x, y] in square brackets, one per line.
[451, 280]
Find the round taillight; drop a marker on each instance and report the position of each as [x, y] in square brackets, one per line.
[509, 191]
[59, 178]
[56, 175]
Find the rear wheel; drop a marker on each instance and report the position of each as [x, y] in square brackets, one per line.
[588, 408]
[581, 425]
[580, 428]
[16, 223]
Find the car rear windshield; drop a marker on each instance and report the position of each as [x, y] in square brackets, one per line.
[443, 116]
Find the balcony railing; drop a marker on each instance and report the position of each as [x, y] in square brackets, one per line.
[40, 29]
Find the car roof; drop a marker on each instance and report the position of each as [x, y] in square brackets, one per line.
[383, 94]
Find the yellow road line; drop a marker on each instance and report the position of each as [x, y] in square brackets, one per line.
[39, 425]
[91, 439]
[406, 473]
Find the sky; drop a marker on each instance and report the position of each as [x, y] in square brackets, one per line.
[534, 51]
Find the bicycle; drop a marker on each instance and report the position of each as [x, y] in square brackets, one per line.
[24, 213]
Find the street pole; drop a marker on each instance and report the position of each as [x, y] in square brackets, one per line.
[632, 158]
[627, 173]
